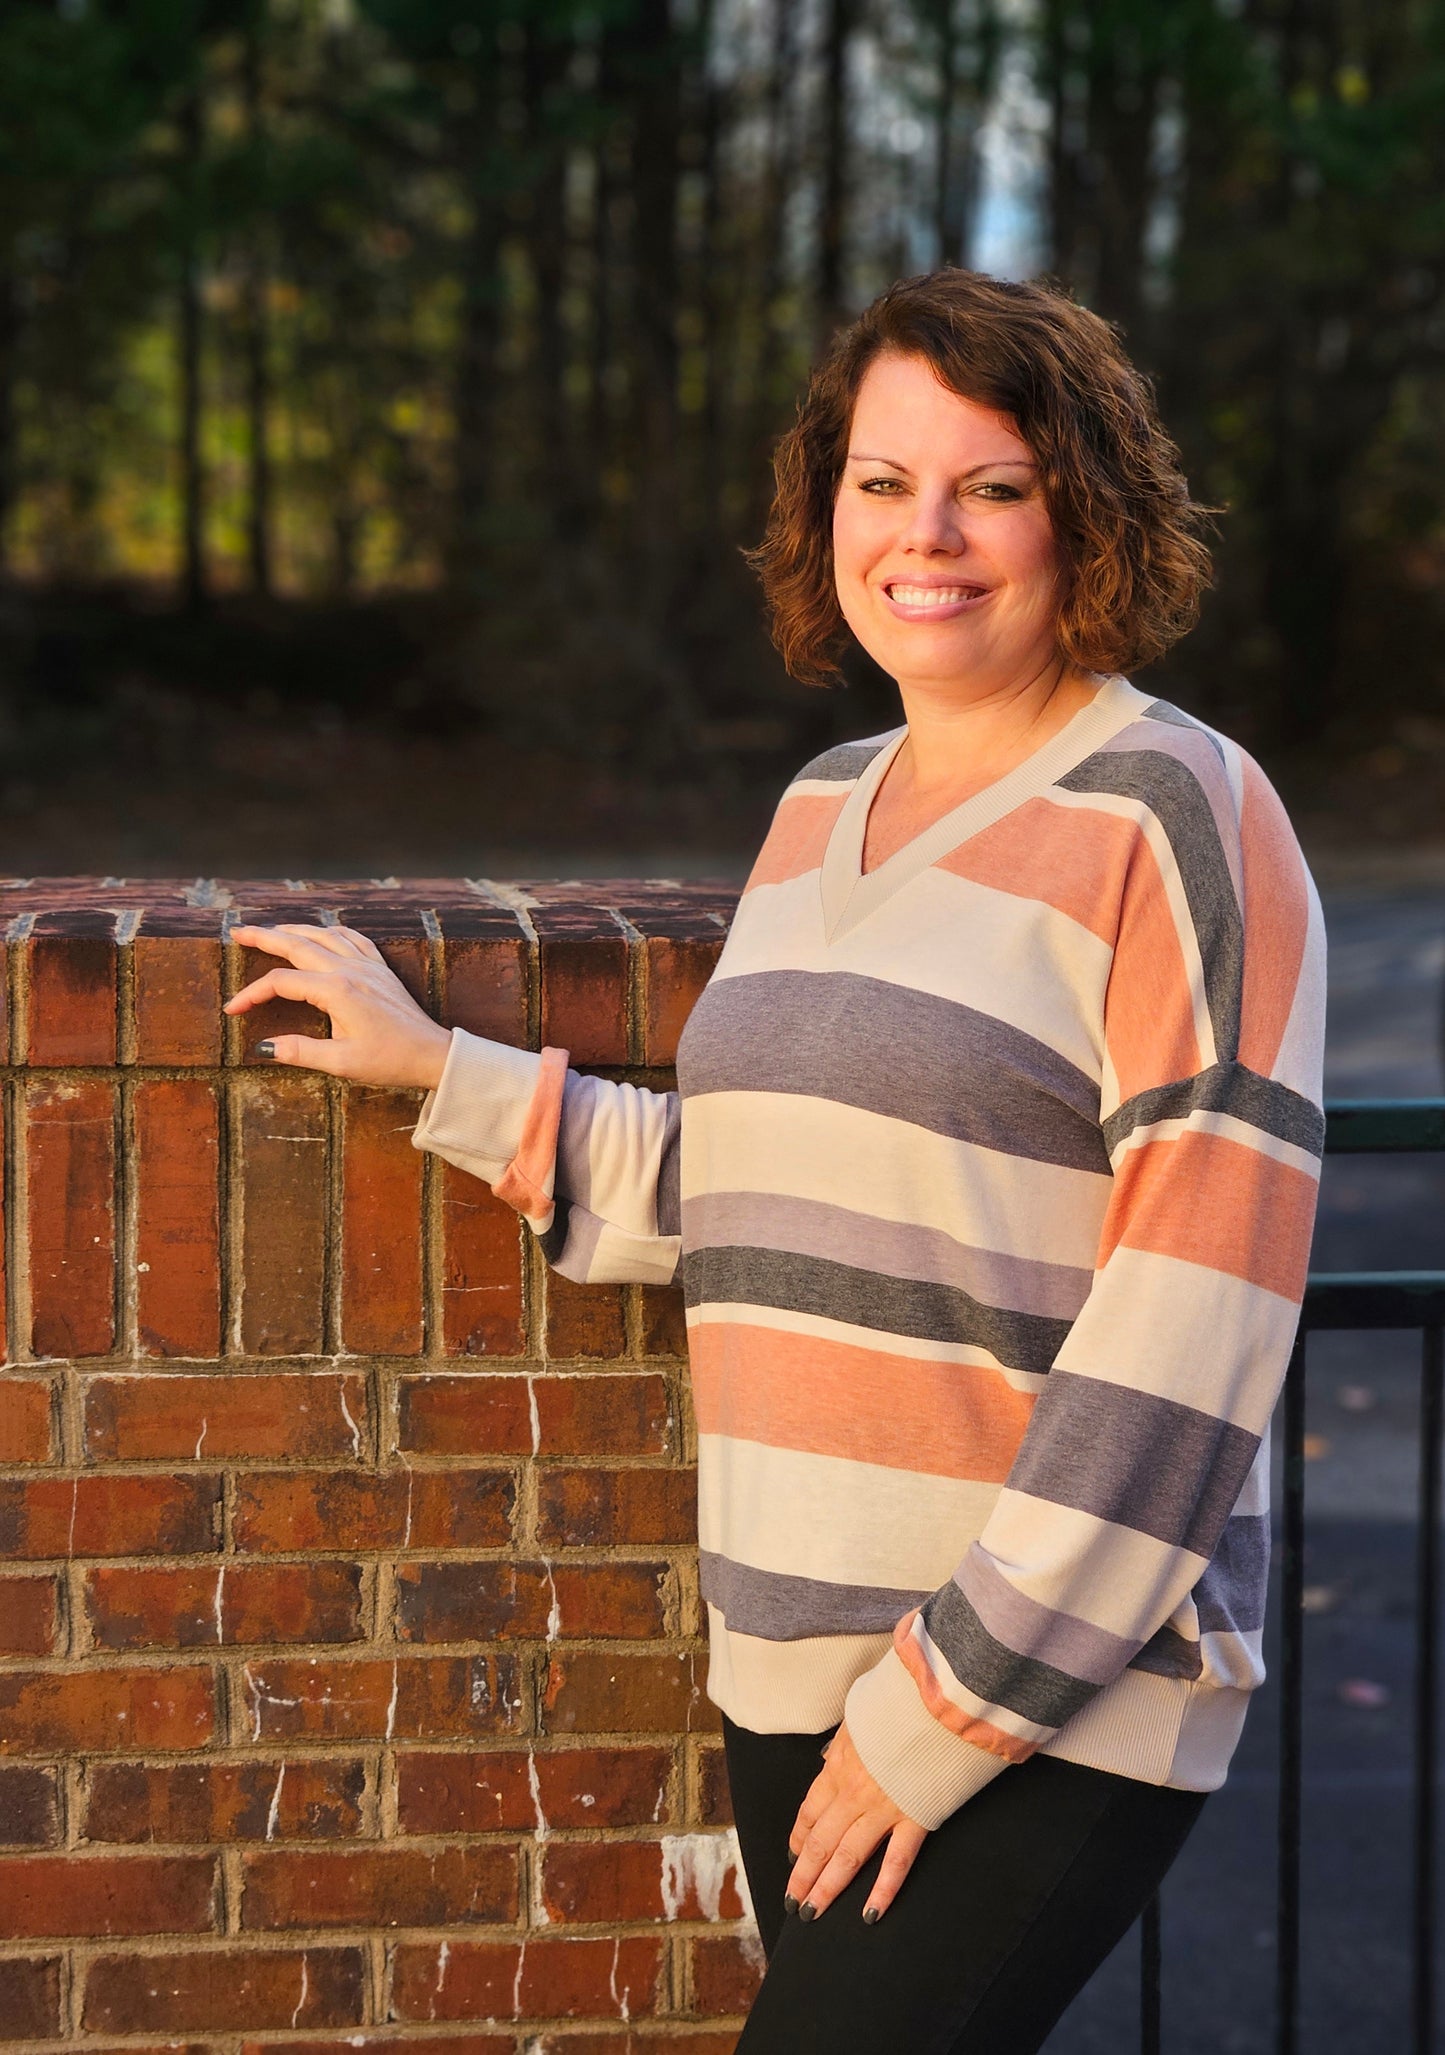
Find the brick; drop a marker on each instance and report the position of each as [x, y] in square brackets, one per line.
[584, 1320]
[178, 995]
[464, 1416]
[502, 1601]
[632, 1880]
[380, 1887]
[220, 1990]
[483, 1792]
[197, 1803]
[283, 1212]
[97, 1712]
[276, 1016]
[663, 1320]
[25, 1420]
[678, 966]
[72, 989]
[484, 976]
[320, 1511]
[42, 1895]
[588, 1508]
[596, 1691]
[178, 1229]
[553, 1978]
[714, 1793]
[600, 1415]
[72, 1216]
[481, 1269]
[680, 2040]
[308, 1415]
[381, 1232]
[412, 1699]
[27, 1615]
[44, 1518]
[30, 1998]
[232, 1604]
[29, 1807]
[584, 987]
[726, 1971]
[386, 2043]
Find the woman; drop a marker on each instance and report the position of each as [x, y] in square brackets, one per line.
[990, 1179]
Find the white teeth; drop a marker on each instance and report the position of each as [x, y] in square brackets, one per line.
[930, 595]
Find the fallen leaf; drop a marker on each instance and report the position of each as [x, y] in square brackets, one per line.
[1315, 1445]
[1355, 1398]
[1318, 1598]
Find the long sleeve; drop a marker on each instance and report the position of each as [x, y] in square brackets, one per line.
[592, 1166]
[1149, 1431]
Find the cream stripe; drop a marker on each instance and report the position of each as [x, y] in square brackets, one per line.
[1106, 1575]
[822, 1516]
[1232, 1129]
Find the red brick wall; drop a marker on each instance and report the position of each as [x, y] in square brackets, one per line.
[351, 1686]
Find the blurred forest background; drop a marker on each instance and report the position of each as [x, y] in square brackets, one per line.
[387, 389]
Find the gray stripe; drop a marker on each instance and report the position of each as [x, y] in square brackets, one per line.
[1032, 1689]
[1164, 710]
[847, 761]
[1075, 1646]
[571, 1241]
[669, 1190]
[1230, 1595]
[811, 1227]
[779, 1608]
[574, 1131]
[1225, 1088]
[1167, 1654]
[865, 1298]
[860, 1041]
[1135, 1459]
[1181, 806]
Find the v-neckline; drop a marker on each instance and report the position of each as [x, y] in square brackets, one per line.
[850, 893]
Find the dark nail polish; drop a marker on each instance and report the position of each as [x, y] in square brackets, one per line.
[870, 1916]
[790, 1903]
[267, 1048]
[807, 1910]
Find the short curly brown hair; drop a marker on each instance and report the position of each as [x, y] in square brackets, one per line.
[1130, 536]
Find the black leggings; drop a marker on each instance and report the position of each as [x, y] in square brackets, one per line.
[1008, 1910]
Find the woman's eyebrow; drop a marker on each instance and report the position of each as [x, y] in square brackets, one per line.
[994, 464]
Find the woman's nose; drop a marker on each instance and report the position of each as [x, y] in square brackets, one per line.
[934, 524]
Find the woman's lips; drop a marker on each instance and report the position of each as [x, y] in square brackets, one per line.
[931, 602]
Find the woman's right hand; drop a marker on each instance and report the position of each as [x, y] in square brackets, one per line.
[379, 1035]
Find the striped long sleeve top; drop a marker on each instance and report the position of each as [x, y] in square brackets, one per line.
[990, 1179]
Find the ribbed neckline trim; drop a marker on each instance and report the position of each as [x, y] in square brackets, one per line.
[849, 896]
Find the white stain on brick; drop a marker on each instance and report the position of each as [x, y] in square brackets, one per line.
[305, 1988]
[444, 1956]
[200, 1441]
[351, 1424]
[274, 1815]
[699, 1865]
[260, 1698]
[620, 2001]
[391, 1708]
[217, 1603]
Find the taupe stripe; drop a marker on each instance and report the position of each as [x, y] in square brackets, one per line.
[1179, 803]
[1140, 1461]
[866, 1298]
[861, 1041]
[1077, 1647]
[843, 763]
[779, 1608]
[1034, 1690]
[669, 1189]
[571, 1241]
[811, 1227]
[1162, 710]
[1167, 1654]
[1230, 1594]
[1225, 1088]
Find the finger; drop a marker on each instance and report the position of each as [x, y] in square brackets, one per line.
[898, 1859]
[308, 1052]
[316, 989]
[340, 941]
[819, 1844]
[849, 1855]
[819, 1795]
[299, 946]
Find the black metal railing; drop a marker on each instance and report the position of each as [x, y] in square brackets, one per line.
[1336, 1300]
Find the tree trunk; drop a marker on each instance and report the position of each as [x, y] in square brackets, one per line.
[9, 434]
[255, 328]
[832, 223]
[193, 475]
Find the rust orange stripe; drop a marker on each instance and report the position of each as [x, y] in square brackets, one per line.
[1206, 1199]
[522, 1183]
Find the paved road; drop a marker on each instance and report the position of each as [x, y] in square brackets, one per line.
[1387, 959]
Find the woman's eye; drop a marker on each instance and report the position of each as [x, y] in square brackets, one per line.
[996, 489]
[869, 484]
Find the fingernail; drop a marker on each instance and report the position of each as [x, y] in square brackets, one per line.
[266, 1048]
[790, 1903]
[870, 1915]
[807, 1910]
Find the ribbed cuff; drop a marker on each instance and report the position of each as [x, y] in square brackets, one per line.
[475, 1116]
[927, 1771]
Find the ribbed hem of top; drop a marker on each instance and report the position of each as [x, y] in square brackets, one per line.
[926, 1770]
[476, 1115]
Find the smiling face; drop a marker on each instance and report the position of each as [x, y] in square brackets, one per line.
[944, 556]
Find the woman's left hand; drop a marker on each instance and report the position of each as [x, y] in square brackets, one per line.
[840, 1823]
